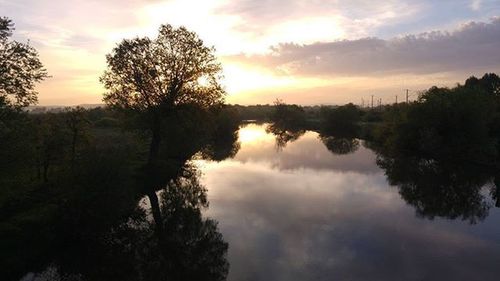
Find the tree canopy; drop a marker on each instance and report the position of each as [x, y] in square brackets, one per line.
[288, 115]
[173, 69]
[341, 121]
[447, 123]
[20, 69]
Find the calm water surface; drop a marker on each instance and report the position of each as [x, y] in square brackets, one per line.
[301, 212]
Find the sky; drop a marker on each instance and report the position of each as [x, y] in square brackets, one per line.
[305, 52]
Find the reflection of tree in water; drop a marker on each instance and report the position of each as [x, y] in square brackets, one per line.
[193, 246]
[438, 188]
[69, 201]
[284, 135]
[222, 148]
[89, 226]
[188, 247]
[339, 145]
[495, 191]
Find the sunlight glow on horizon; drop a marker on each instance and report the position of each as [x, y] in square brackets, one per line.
[74, 36]
[242, 78]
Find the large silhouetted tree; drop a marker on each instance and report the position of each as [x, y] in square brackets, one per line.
[20, 69]
[155, 76]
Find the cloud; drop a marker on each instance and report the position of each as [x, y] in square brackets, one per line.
[275, 21]
[475, 5]
[315, 224]
[273, 11]
[473, 46]
[73, 36]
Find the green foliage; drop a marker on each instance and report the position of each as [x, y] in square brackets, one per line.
[15, 137]
[223, 142]
[86, 209]
[20, 69]
[372, 115]
[107, 122]
[173, 69]
[160, 81]
[457, 123]
[75, 177]
[342, 120]
[490, 83]
[288, 115]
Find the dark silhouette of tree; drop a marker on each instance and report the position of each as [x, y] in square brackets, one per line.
[189, 247]
[437, 188]
[193, 247]
[51, 139]
[495, 191]
[288, 115]
[340, 121]
[444, 123]
[90, 226]
[222, 148]
[442, 150]
[155, 76]
[20, 69]
[288, 123]
[224, 139]
[490, 83]
[339, 145]
[284, 135]
[129, 246]
[77, 124]
[339, 128]
[17, 146]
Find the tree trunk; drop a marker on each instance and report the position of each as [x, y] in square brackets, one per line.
[154, 146]
[155, 209]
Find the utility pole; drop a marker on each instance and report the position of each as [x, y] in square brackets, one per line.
[372, 101]
[396, 99]
[407, 95]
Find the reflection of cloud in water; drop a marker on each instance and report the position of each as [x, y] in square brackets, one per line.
[322, 221]
[307, 225]
[306, 152]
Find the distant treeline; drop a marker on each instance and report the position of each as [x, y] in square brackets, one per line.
[460, 122]
[465, 117]
[441, 151]
[310, 115]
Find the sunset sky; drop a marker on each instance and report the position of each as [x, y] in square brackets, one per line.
[306, 52]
